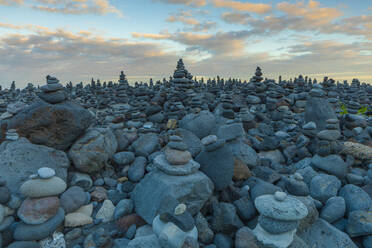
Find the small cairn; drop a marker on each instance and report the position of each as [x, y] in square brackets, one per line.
[175, 227]
[12, 135]
[41, 206]
[327, 143]
[279, 218]
[53, 91]
[176, 160]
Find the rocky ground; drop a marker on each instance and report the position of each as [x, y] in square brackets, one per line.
[186, 163]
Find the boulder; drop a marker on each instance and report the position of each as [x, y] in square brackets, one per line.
[321, 234]
[242, 151]
[20, 159]
[218, 165]
[53, 125]
[355, 198]
[91, 152]
[332, 164]
[200, 124]
[319, 110]
[146, 144]
[192, 190]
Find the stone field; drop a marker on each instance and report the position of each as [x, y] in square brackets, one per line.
[187, 163]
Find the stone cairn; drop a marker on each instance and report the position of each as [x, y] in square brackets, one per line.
[176, 160]
[327, 139]
[53, 91]
[12, 135]
[279, 218]
[41, 212]
[182, 79]
[121, 91]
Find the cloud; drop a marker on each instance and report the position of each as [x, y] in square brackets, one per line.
[259, 8]
[75, 7]
[236, 17]
[219, 44]
[311, 12]
[187, 19]
[77, 56]
[197, 3]
[151, 36]
[11, 2]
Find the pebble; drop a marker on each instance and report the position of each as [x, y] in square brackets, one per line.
[123, 208]
[46, 172]
[106, 212]
[73, 198]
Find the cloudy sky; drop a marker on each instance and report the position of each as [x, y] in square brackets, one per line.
[76, 40]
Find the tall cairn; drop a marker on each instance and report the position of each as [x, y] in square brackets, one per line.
[182, 79]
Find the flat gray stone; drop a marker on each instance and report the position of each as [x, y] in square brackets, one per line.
[288, 209]
[175, 170]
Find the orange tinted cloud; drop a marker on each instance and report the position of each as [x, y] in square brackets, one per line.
[10, 2]
[150, 36]
[197, 3]
[311, 12]
[259, 8]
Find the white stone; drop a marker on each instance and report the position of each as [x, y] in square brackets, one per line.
[106, 212]
[209, 140]
[77, 219]
[46, 172]
[280, 196]
[5, 115]
[274, 240]
[86, 209]
[180, 209]
[298, 176]
[56, 241]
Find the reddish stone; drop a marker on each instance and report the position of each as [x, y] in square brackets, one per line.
[35, 211]
[125, 222]
[241, 170]
[99, 194]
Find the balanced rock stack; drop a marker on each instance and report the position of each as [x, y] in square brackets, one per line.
[182, 79]
[12, 135]
[53, 91]
[177, 159]
[175, 176]
[279, 218]
[121, 91]
[40, 212]
[327, 143]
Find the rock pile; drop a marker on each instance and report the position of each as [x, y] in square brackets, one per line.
[186, 162]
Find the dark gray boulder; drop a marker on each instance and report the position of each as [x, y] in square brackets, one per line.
[319, 110]
[53, 125]
[200, 124]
